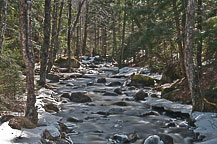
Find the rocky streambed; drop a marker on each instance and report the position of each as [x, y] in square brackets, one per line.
[101, 107]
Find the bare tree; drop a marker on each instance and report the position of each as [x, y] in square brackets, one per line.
[4, 20]
[28, 56]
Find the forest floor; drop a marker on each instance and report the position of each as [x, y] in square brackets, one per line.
[111, 115]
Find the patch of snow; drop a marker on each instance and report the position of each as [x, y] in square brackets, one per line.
[168, 105]
[206, 124]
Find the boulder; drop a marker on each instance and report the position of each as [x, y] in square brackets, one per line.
[154, 139]
[121, 103]
[118, 91]
[63, 62]
[19, 122]
[51, 107]
[101, 80]
[140, 95]
[171, 95]
[140, 80]
[65, 95]
[79, 97]
[74, 120]
[53, 77]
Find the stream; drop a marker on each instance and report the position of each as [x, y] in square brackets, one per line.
[113, 116]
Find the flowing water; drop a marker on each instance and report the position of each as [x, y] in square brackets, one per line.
[112, 118]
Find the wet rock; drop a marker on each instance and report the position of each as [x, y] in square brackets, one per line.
[166, 139]
[101, 80]
[79, 97]
[65, 95]
[19, 122]
[168, 125]
[140, 95]
[109, 94]
[51, 107]
[74, 120]
[132, 88]
[150, 113]
[120, 103]
[103, 113]
[64, 128]
[140, 80]
[116, 83]
[6, 118]
[47, 135]
[154, 95]
[118, 91]
[63, 62]
[119, 139]
[154, 139]
[53, 77]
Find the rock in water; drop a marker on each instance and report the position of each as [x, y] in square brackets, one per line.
[118, 91]
[79, 97]
[51, 108]
[101, 80]
[63, 62]
[154, 139]
[116, 83]
[53, 77]
[140, 95]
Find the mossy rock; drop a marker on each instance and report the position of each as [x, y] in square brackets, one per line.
[51, 108]
[19, 122]
[63, 62]
[140, 80]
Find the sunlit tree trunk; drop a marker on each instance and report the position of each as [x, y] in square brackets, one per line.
[46, 43]
[28, 56]
[4, 20]
[189, 62]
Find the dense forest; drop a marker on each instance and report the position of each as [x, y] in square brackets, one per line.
[176, 38]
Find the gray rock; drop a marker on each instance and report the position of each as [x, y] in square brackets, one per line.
[53, 77]
[118, 91]
[154, 139]
[79, 97]
[74, 120]
[109, 94]
[101, 80]
[140, 95]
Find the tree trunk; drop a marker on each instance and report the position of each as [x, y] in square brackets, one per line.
[85, 30]
[46, 43]
[189, 62]
[114, 50]
[28, 56]
[123, 38]
[104, 43]
[69, 33]
[4, 20]
[178, 36]
[200, 39]
[54, 34]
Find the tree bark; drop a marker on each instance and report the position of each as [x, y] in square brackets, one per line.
[104, 41]
[200, 39]
[85, 30]
[4, 20]
[69, 33]
[123, 38]
[54, 35]
[189, 62]
[28, 56]
[114, 50]
[46, 43]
